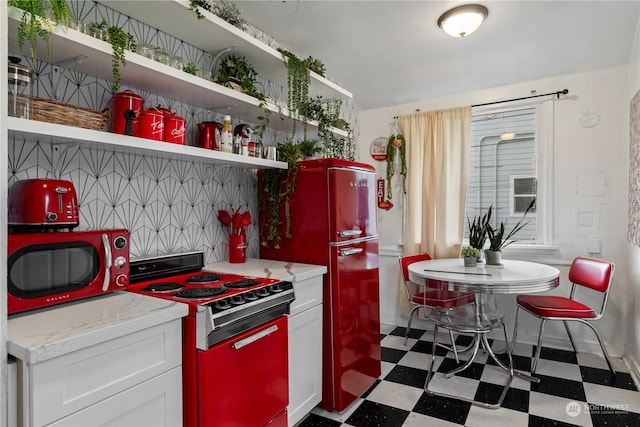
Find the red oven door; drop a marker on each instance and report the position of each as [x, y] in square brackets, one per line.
[243, 381]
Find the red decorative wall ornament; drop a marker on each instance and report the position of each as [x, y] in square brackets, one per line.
[382, 203]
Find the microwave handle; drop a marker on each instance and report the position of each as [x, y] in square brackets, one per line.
[107, 263]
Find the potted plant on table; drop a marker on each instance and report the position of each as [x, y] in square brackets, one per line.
[470, 255]
[478, 229]
[500, 239]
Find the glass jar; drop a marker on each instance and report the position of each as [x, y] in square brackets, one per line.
[145, 49]
[176, 62]
[20, 78]
[161, 56]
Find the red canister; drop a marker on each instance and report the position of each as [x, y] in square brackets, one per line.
[175, 129]
[152, 124]
[120, 103]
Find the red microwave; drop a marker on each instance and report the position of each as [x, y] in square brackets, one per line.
[52, 268]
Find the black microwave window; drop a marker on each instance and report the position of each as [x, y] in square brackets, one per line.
[40, 270]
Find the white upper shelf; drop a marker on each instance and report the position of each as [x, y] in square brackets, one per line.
[212, 34]
[145, 74]
[59, 134]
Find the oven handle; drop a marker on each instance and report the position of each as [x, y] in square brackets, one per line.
[255, 337]
[107, 263]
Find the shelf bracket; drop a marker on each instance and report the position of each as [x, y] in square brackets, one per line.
[61, 67]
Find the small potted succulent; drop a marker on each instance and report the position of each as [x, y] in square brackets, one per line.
[470, 255]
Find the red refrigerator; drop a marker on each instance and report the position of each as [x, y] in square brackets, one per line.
[334, 223]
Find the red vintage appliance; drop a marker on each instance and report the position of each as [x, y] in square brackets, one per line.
[336, 225]
[45, 269]
[234, 340]
[121, 103]
[42, 204]
[209, 135]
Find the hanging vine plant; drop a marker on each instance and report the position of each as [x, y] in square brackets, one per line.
[275, 187]
[119, 40]
[396, 144]
[298, 80]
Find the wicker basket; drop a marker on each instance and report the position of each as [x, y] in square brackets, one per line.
[46, 110]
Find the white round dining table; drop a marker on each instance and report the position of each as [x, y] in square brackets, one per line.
[511, 277]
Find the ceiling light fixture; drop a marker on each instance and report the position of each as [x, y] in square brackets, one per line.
[463, 20]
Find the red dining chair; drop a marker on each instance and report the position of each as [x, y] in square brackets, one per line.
[430, 297]
[590, 273]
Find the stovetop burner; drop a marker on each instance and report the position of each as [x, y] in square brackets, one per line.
[163, 287]
[241, 284]
[204, 278]
[199, 293]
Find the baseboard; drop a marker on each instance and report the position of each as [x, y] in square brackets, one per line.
[633, 364]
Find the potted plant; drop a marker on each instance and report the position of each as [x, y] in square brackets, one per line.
[309, 148]
[36, 23]
[499, 238]
[120, 41]
[470, 255]
[235, 72]
[478, 229]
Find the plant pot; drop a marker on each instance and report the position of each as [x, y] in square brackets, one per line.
[237, 248]
[493, 257]
[470, 261]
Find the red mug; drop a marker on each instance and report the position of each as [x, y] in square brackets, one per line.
[175, 129]
[152, 125]
[237, 248]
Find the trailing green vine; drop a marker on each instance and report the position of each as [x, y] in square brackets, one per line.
[35, 22]
[298, 80]
[119, 41]
[396, 141]
[274, 196]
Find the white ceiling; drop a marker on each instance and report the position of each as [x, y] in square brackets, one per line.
[392, 52]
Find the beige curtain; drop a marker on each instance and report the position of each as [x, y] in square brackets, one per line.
[437, 152]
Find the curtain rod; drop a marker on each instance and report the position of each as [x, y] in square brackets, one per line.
[557, 94]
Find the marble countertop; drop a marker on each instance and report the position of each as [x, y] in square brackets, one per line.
[51, 332]
[290, 271]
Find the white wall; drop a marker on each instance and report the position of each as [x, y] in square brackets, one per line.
[603, 149]
[632, 319]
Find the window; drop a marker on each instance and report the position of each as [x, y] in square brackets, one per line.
[509, 166]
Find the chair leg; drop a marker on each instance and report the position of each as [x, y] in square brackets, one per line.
[573, 344]
[515, 333]
[433, 358]
[453, 346]
[406, 333]
[604, 349]
[538, 347]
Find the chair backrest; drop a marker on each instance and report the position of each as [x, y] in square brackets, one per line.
[592, 273]
[405, 261]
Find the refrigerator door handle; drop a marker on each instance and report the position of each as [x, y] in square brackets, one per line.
[350, 233]
[350, 251]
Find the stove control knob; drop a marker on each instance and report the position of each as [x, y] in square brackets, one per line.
[262, 292]
[250, 296]
[122, 280]
[119, 262]
[275, 288]
[236, 300]
[222, 304]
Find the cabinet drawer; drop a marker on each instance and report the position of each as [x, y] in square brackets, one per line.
[61, 386]
[157, 402]
[308, 294]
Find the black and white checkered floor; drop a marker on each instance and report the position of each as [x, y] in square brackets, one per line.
[574, 390]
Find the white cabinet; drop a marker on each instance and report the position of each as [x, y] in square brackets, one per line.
[115, 360]
[305, 349]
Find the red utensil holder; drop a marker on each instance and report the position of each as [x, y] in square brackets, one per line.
[237, 248]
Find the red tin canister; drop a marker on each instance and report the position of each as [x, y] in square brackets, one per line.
[175, 129]
[152, 124]
[121, 102]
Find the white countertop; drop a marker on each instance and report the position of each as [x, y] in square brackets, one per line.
[290, 271]
[51, 332]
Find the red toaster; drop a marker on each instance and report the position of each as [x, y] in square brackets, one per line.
[43, 204]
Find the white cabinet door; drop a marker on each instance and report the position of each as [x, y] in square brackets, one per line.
[154, 403]
[305, 363]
